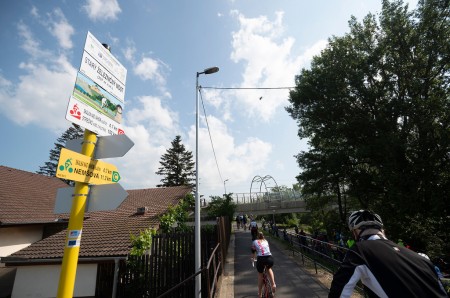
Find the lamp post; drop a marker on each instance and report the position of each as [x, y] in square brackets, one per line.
[198, 254]
[224, 187]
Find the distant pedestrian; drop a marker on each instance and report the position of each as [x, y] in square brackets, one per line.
[254, 229]
[244, 221]
[302, 236]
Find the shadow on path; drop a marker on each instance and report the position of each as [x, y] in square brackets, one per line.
[292, 281]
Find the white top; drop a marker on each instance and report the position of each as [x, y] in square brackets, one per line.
[261, 247]
[253, 224]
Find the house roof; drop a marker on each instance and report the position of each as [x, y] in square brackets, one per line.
[18, 188]
[105, 233]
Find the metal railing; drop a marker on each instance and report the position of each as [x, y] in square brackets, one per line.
[212, 271]
[259, 197]
[324, 254]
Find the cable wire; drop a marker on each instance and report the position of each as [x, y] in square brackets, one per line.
[206, 117]
[247, 88]
[209, 132]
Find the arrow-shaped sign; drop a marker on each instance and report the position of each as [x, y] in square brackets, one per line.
[78, 167]
[100, 197]
[106, 147]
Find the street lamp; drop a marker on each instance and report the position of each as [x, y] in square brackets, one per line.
[224, 187]
[198, 254]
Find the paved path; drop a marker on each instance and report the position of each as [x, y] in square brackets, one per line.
[240, 278]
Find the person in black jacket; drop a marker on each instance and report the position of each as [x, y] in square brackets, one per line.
[385, 268]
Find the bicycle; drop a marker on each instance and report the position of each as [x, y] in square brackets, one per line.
[266, 291]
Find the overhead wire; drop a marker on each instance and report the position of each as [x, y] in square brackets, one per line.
[206, 117]
[209, 132]
[247, 88]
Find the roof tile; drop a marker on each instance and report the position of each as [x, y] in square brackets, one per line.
[28, 198]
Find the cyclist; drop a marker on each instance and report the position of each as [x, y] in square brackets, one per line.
[253, 228]
[385, 268]
[238, 221]
[261, 249]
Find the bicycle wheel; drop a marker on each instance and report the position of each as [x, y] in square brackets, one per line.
[267, 287]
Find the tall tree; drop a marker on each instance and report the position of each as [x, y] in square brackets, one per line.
[177, 166]
[49, 167]
[375, 107]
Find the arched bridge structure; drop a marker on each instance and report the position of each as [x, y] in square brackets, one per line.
[268, 198]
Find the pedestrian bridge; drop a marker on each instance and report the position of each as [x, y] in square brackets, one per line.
[260, 203]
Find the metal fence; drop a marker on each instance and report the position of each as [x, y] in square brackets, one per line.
[259, 197]
[326, 255]
[169, 269]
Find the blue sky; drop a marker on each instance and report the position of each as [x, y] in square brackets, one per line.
[255, 43]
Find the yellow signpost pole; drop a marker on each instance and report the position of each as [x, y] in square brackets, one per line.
[73, 237]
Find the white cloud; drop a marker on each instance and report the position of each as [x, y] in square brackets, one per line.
[129, 53]
[102, 10]
[61, 29]
[152, 70]
[268, 62]
[152, 126]
[149, 69]
[58, 26]
[239, 161]
[34, 11]
[139, 165]
[42, 91]
[30, 44]
[153, 113]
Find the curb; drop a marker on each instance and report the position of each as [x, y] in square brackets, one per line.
[226, 289]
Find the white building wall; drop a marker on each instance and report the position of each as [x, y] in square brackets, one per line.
[42, 281]
[13, 239]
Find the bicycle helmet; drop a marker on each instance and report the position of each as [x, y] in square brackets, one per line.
[362, 219]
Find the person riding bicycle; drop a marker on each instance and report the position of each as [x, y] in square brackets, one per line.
[253, 228]
[385, 268]
[261, 249]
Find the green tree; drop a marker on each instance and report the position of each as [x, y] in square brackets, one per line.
[49, 167]
[375, 108]
[222, 206]
[177, 166]
[142, 243]
[175, 218]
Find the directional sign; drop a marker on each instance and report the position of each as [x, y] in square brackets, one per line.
[105, 58]
[106, 197]
[106, 147]
[81, 168]
[101, 197]
[97, 101]
[63, 200]
[102, 76]
[113, 146]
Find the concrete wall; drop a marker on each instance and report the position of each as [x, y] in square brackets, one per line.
[42, 281]
[13, 239]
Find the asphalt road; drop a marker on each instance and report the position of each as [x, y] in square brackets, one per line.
[241, 278]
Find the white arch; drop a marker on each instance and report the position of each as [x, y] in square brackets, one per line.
[262, 180]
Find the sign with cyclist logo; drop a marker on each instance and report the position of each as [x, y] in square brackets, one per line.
[98, 97]
[81, 168]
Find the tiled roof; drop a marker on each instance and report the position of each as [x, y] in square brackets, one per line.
[107, 233]
[19, 188]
